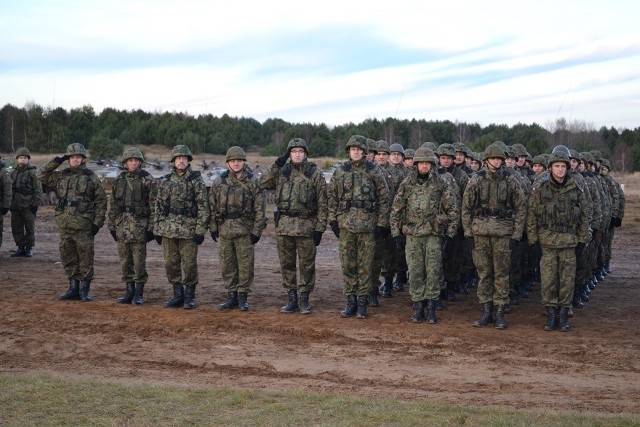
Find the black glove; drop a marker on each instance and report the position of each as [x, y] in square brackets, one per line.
[317, 237]
[158, 239]
[280, 161]
[381, 232]
[335, 228]
[513, 244]
[470, 242]
[4, 211]
[580, 249]
[113, 234]
[536, 250]
[254, 239]
[198, 239]
[94, 229]
[214, 236]
[61, 159]
[446, 241]
[148, 235]
[34, 210]
[617, 222]
[399, 241]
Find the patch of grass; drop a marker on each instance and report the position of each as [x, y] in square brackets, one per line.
[45, 400]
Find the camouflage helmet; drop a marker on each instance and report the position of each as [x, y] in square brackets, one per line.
[462, 148]
[131, 153]
[493, 150]
[371, 145]
[597, 156]
[357, 141]
[559, 156]
[446, 150]
[588, 157]
[235, 153]
[382, 146]
[477, 156]
[606, 163]
[181, 150]
[396, 148]
[430, 145]
[561, 148]
[573, 154]
[23, 151]
[76, 149]
[540, 159]
[510, 152]
[520, 150]
[409, 153]
[297, 142]
[425, 155]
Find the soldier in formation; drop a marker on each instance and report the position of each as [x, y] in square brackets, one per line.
[5, 195]
[27, 193]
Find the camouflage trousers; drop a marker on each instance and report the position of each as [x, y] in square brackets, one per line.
[583, 264]
[608, 240]
[424, 258]
[303, 249]
[77, 253]
[492, 258]
[385, 249]
[558, 272]
[237, 263]
[356, 257]
[591, 253]
[180, 260]
[516, 269]
[23, 223]
[133, 261]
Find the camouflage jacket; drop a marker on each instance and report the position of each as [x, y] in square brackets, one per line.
[181, 208]
[557, 214]
[131, 206]
[5, 189]
[26, 187]
[82, 201]
[461, 177]
[359, 197]
[424, 207]
[493, 204]
[301, 198]
[524, 182]
[614, 191]
[605, 199]
[394, 176]
[237, 205]
[593, 198]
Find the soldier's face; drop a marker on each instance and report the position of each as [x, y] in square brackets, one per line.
[75, 160]
[459, 157]
[537, 168]
[382, 158]
[22, 160]
[181, 163]
[356, 153]
[559, 170]
[408, 162]
[574, 164]
[475, 165]
[446, 161]
[521, 160]
[371, 155]
[510, 162]
[396, 158]
[424, 167]
[582, 167]
[133, 164]
[236, 165]
[494, 163]
[297, 155]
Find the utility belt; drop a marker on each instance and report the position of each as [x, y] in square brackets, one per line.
[83, 206]
[494, 213]
[193, 213]
[561, 228]
[230, 215]
[136, 210]
[298, 214]
[365, 205]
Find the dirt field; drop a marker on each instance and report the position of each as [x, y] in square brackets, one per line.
[595, 367]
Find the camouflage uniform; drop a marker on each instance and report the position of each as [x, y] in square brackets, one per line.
[181, 216]
[493, 214]
[79, 214]
[424, 210]
[559, 223]
[617, 212]
[5, 196]
[238, 219]
[358, 213]
[27, 193]
[301, 218]
[130, 221]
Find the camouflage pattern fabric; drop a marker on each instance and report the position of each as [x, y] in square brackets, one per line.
[5, 196]
[492, 258]
[180, 260]
[557, 273]
[302, 249]
[424, 259]
[133, 261]
[77, 253]
[356, 257]
[237, 263]
[27, 193]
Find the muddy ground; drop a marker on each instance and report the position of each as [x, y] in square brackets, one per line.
[595, 367]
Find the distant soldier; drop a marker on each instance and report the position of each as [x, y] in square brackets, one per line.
[237, 220]
[409, 153]
[5, 195]
[358, 214]
[300, 219]
[79, 213]
[617, 213]
[181, 216]
[463, 157]
[399, 264]
[493, 218]
[426, 211]
[476, 162]
[558, 224]
[27, 193]
[130, 222]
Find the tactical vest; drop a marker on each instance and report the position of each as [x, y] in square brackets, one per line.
[76, 190]
[178, 197]
[425, 199]
[22, 182]
[131, 196]
[296, 196]
[235, 198]
[494, 196]
[560, 211]
[357, 189]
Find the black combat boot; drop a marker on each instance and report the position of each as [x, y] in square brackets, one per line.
[127, 297]
[603, 271]
[443, 296]
[230, 302]
[585, 293]
[73, 293]
[387, 286]
[564, 319]
[18, 252]
[28, 251]
[85, 288]
[292, 304]
[362, 302]
[499, 321]
[242, 301]
[373, 297]
[190, 296]
[178, 296]
[304, 303]
[607, 268]
[401, 280]
[138, 294]
[418, 315]
[552, 319]
[351, 307]
[577, 293]
[431, 311]
[451, 291]
[487, 315]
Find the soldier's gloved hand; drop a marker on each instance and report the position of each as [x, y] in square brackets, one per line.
[280, 161]
[113, 234]
[446, 241]
[399, 242]
[198, 239]
[469, 242]
[34, 210]
[60, 159]
[317, 237]
[580, 249]
[148, 235]
[214, 236]
[513, 244]
[158, 239]
[617, 222]
[4, 211]
[381, 232]
[254, 239]
[536, 250]
[335, 228]
[94, 229]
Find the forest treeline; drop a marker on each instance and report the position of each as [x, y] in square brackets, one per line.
[105, 134]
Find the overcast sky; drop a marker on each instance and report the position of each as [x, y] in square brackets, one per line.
[329, 61]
